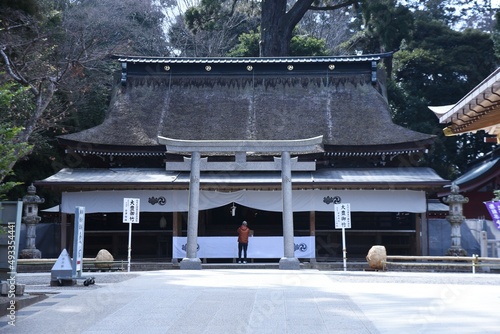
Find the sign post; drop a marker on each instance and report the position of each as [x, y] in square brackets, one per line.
[343, 221]
[78, 241]
[130, 216]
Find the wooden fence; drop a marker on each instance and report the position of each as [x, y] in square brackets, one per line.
[474, 261]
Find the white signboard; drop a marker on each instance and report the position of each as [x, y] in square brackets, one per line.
[343, 215]
[79, 234]
[131, 210]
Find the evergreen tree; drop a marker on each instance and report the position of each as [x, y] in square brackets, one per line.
[438, 66]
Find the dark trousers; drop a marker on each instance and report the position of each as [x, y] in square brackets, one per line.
[242, 247]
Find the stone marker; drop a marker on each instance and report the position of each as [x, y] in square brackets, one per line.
[104, 255]
[62, 271]
[377, 256]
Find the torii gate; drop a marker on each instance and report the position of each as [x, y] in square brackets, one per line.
[240, 148]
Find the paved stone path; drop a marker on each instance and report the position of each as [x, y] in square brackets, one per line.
[265, 301]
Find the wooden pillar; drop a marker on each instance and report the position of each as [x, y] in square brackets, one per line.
[422, 231]
[71, 231]
[312, 229]
[191, 261]
[176, 224]
[176, 229]
[202, 223]
[312, 223]
[115, 244]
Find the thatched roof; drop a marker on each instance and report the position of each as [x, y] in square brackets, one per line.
[342, 105]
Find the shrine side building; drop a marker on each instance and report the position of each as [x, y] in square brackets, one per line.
[362, 158]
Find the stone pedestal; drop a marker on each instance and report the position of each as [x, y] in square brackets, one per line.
[190, 264]
[30, 253]
[289, 263]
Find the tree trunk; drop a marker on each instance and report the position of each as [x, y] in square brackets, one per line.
[272, 13]
[277, 26]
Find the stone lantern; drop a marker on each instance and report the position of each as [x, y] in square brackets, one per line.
[31, 218]
[455, 202]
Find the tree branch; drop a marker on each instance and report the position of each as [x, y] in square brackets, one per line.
[334, 7]
[15, 74]
[233, 7]
[9, 66]
[295, 14]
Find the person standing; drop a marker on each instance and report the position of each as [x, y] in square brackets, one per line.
[243, 233]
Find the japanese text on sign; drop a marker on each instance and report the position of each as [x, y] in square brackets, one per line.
[131, 210]
[80, 216]
[494, 209]
[343, 215]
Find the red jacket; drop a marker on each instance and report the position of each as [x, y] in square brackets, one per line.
[243, 232]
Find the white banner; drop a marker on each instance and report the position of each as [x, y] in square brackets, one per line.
[258, 247]
[302, 200]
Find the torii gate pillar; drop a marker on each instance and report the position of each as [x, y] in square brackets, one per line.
[288, 261]
[191, 261]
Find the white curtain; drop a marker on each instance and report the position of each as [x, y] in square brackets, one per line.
[303, 200]
[258, 247]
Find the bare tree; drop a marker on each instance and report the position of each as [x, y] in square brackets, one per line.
[331, 26]
[214, 43]
[50, 50]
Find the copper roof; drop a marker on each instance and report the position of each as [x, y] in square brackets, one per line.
[331, 178]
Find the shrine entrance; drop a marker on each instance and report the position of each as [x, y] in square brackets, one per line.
[195, 164]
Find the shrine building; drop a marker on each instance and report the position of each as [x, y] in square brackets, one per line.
[478, 110]
[206, 143]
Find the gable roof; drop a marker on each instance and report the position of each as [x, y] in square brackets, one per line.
[251, 99]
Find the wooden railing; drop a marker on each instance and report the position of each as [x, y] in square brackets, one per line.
[473, 261]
